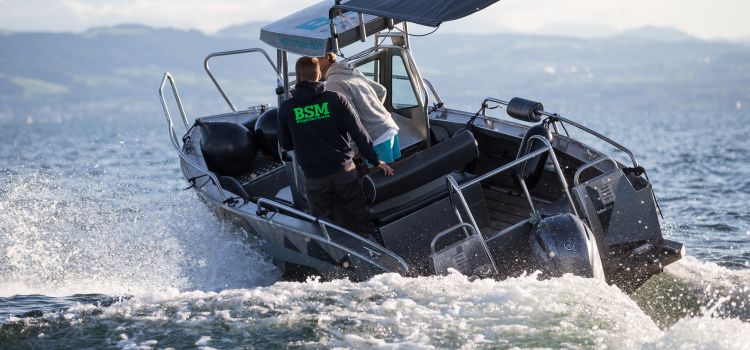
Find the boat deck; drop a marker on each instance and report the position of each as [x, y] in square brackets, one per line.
[262, 166]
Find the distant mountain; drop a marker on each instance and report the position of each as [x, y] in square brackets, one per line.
[586, 31]
[122, 66]
[121, 62]
[246, 30]
[657, 34]
[123, 29]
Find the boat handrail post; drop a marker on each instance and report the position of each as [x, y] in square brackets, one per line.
[334, 35]
[466, 227]
[207, 68]
[560, 174]
[455, 188]
[557, 118]
[433, 91]
[173, 134]
[527, 193]
[168, 77]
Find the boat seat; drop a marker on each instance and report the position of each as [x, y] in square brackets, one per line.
[397, 207]
[419, 178]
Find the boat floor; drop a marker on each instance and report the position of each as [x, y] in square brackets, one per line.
[506, 208]
[262, 166]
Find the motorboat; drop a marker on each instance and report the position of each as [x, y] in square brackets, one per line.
[475, 192]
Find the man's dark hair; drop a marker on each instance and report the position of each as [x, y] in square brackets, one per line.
[307, 68]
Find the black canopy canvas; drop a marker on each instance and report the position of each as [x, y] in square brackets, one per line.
[425, 12]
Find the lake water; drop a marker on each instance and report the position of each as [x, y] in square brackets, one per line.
[100, 248]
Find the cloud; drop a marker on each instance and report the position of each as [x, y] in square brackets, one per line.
[207, 16]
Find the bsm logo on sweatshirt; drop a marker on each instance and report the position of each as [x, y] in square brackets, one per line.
[312, 112]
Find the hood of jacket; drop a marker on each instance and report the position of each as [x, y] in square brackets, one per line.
[307, 90]
[342, 68]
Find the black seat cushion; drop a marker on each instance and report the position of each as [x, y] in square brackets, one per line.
[423, 167]
[396, 207]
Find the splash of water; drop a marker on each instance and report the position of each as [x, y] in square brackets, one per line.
[388, 311]
[66, 237]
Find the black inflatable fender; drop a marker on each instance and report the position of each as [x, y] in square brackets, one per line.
[564, 244]
[229, 149]
[525, 110]
[266, 133]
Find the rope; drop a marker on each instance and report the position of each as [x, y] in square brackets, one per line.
[418, 35]
[232, 201]
[192, 182]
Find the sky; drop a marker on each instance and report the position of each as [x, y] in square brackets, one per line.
[716, 19]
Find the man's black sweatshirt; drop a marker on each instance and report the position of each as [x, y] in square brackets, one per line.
[314, 123]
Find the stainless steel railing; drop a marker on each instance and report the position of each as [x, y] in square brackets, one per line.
[433, 91]
[518, 161]
[558, 118]
[279, 80]
[173, 134]
[454, 188]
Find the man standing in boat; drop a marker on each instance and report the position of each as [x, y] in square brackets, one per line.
[368, 97]
[314, 123]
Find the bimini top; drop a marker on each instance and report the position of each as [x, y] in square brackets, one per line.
[308, 31]
[425, 12]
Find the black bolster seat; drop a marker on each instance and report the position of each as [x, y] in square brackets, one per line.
[419, 179]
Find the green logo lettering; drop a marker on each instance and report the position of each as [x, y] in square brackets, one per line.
[311, 113]
[308, 111]
[321, 109]
[298, 114]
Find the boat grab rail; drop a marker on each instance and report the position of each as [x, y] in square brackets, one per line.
[434, 92]
[173, 134]
[440, 235]
[454, 188]
[518, 161]
[279, 80]
[591, 164]
[324, 225]
[557, 118]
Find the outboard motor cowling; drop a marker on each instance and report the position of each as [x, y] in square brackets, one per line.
[228, 148]
[564, 244]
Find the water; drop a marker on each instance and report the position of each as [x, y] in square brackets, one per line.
[100, 248]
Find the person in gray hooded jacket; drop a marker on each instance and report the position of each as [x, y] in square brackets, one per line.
[368, 97]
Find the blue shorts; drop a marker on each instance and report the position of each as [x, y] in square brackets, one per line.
[388, 151]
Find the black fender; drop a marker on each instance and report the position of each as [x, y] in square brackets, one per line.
[228, 148]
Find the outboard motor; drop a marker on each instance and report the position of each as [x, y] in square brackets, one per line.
[266, 133]
[228, 148]
[564, 244]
